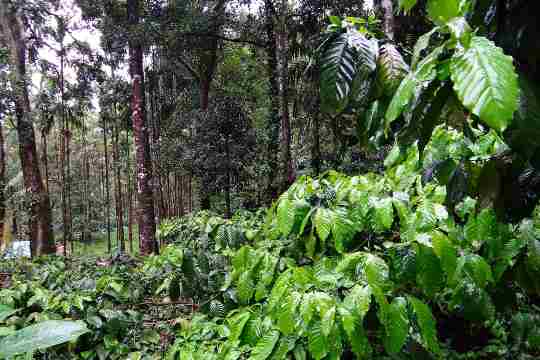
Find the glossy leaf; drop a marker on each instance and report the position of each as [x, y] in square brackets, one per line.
[345, 57]
[391, 69]
[265, 346]
[41, 336]
[426, 321]
[441, 11]
[486, 82]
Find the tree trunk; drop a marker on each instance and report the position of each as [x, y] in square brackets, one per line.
[107, 187]
[228, 180]
[44, 158]
[41, 235]
[274, 120]
[2, 185]
[118, 190]
[316, 149]
[389, 24]
[283, 58]
[145, 206]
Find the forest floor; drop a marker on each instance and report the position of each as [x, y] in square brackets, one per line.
[98, 246]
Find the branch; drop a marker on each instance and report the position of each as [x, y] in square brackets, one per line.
[224, 38]
[189, 68]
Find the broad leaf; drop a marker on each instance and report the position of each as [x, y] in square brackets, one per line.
[397, 326]
[323, 223]
[486, 82]
[265, 346]
[317, 343]
[41, 336]
[407, 5]
[285, 215]
[441, 11]
[237, 324]
[377, 271]
[6, 311]
[426, 321]
[343, 229]
[391, 69]
[446, 252]
[475, 268]
[424, 73]
[345, 57]
[430, 275]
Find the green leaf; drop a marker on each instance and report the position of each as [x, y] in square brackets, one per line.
[407, 5]
[6, 311]
[343, 229]
[377, 272]
[460, 30]
[237, 324]
[397, 326]
[426, 321]
[445, 251]
[246, 287]
[345, 57]
[441, 11]
[430, 275]
[391, 69]
[424, 73]
[285, 215]
[486, 82]
[358, 300]
[384, 213]
[317, 343]
[41, 336]
[265, 346]
[421, 44]
[323, 223]
[328, 321]
[474, 267]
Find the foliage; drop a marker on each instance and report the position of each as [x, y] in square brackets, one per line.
[370, 265]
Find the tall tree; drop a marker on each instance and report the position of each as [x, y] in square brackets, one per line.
[387, 9]
[273, 75]
[283, 58]
[145, 205]
[40, 211]
[2, 184]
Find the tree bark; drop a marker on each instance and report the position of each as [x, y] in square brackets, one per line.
[40, 210]
[228, 180]
[2, 185]
[283, 56]
[107, 186]
[118, 189]
[316, 149]
[274, 120]
[145, 207]
[389, 23]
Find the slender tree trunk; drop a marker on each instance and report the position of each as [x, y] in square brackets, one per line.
[118, 190]
[283, 58]
[274, 120]
[107, 187]
[45, 160]
[145, 197]
[70, 238]
[316, 149]
[86, 186]
[2, 185]
[228, 180]
[389, 24]
[41, 235]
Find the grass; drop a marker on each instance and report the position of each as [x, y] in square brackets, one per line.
[98, 246]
